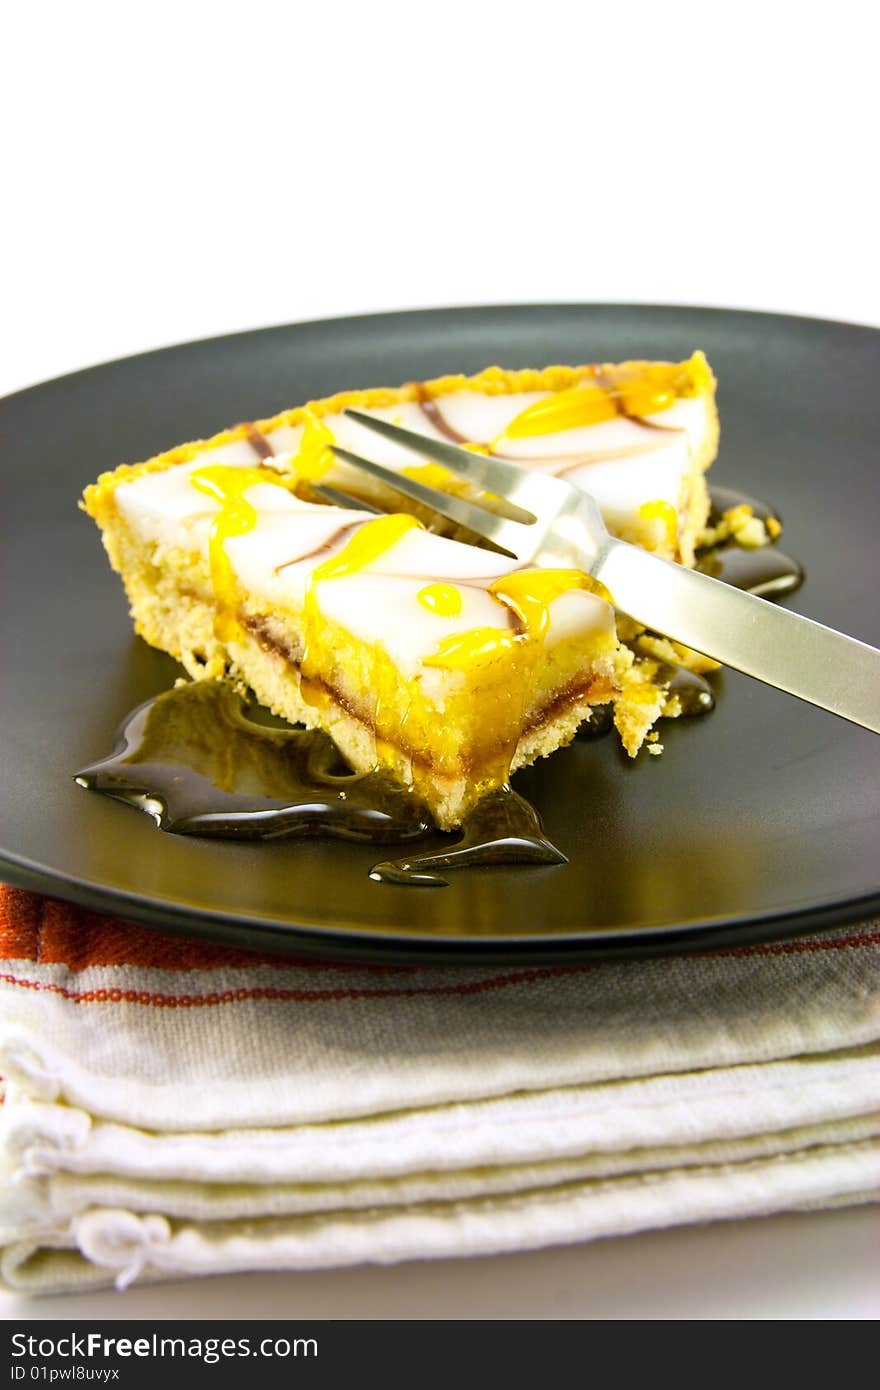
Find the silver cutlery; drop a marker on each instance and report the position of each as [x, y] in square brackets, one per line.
[548, 522]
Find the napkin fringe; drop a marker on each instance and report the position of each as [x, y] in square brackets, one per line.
[24, 1065]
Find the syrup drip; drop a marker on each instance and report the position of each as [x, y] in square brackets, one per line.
[767, 572]
[695, 694]
[193, 760]
[314, 459]
[503, 828]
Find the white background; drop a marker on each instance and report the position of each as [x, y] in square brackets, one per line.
[176, 170]
[173, 171]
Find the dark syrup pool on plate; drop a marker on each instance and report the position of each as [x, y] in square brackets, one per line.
[194, 760]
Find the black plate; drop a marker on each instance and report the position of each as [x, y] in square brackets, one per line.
[758, 821]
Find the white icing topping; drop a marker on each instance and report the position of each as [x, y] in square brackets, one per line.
[378, 603]
[572, 610]
[408, 414]
[433, 557]
[606, 436]
[625, 466]
[238, 451]
[166, 508]
[625, 463]
[482, 418]
[622, 485]
[384, 608]
[284, 438]
[687, 413]
[350, 435]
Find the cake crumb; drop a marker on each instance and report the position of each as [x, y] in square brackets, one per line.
[662, 649]
[751, 533]
[740, 524]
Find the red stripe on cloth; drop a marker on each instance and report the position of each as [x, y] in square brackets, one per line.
[49, 932]
[114, 995]
[158, 999]
[796, 948]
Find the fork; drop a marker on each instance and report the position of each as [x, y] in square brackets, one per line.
[548, 522]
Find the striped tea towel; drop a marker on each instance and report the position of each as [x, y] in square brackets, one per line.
[178, 1108]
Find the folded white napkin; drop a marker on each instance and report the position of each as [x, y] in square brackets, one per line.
[162, 1122]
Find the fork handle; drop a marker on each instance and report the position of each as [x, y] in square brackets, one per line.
[751, 634]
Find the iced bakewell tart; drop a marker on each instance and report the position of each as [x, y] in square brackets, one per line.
[448, 664]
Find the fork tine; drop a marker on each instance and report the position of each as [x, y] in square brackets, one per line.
[499, 477]
[337, 498]
[511, 536]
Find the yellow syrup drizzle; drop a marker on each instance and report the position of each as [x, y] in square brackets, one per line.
[529, 593]
[227, 485]
[436, 476]
[443, 599]
[432, 475]
[368, 543]
[314, 459]
[646, 391]
[564, 410]
[464, 650]
[660, 510]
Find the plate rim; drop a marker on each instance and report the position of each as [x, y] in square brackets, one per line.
[510, 306]
[693, 936]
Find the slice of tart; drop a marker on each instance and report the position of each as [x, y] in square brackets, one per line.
[447, 664]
